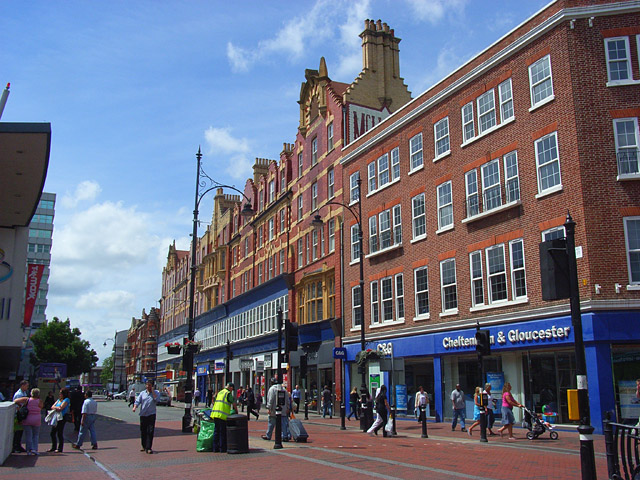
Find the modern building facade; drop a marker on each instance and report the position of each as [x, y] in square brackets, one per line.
[488, 163]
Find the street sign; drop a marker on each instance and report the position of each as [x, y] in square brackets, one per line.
[340, 352]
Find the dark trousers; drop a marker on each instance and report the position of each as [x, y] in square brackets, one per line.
[57, 437]
[250, 410]
[297, 402]
[147, 428]
[383, 414]
[491, 418]
[77, 419]
[353, 410]
[17, 440]
[219, 435]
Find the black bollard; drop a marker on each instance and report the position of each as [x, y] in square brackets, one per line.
[423, 417]
[278, 429]
[394, 432]
[306, 409]
[364, 426]
[483, 425]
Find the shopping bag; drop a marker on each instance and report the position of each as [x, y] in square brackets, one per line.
[51, 418]
[389, 426]
[204, 443]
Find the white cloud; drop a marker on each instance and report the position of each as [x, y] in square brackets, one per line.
[115, 299]
[235, 150]
[448, 61]
[350, 61]
[86, 191]
[434, 11]
[238, 57]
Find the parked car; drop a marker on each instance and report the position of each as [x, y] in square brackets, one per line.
[120, 396]
[165, 399]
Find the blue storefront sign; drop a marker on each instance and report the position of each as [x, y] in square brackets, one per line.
[203, 370]
[340, 353]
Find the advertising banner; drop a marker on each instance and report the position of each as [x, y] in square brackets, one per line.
[629, 403]
[401, 397]
[34, 275]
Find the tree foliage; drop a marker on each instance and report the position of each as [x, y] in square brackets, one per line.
[107, 370]
[57, 342]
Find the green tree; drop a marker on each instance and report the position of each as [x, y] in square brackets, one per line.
[57, 342]
[107, 371]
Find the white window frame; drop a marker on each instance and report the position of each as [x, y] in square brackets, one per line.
[631, 251]
[397, 224]
[300, 253]
[442, 143]
[631, 148]
[283, 225]
[558, 185]
[398, 283]
[417, 292]
[395, 163]
[314, 244]
[444, 287]
[330, 183]
[332, 234]
[272, 191]
[502, 273]
[444, 206]
[467, 121]
[374, 246]
[283, 180]
[355, 247]
[282, 260]
[476, 275]
[300, 206]
[307, 248]
[375, 303]
[330, 137]
[386, 300]
[271, 228]
[489, 113]
[489, 188]
[322, 244]
[511, 177]
[354, 193]
[532, 86]
[246, 247]
[505, 92]
[314, 151]
[416, 153]
[300, 164]
[516, 269]
[356, 308]
[384, 171]
[419, 217]
[314, 196]
[627, 60]
[372, 180]
[552, 233]
[472, 195]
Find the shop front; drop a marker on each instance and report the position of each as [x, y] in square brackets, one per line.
[536, 357]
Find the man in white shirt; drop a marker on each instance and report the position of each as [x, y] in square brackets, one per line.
[422, 400]
[89, 411]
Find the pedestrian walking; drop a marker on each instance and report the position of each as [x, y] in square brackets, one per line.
[224, 403]
[508, 402]
[77, 398]
[353, 403]
[63, 407]
[88, 421]
[209, 396]
[421, 403]
[147, 402]
[382, 410]
[132, 396]
[31, 424]
[457, 400]
[478, 409]
[295, 395]
[326, 402]
[491, 404]
[258, 400]
[49, 401]
[272, 404]
[251, 403]
[22, 392]
[241, 397]
[196, 397]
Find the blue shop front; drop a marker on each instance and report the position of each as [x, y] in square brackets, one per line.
[536, 357]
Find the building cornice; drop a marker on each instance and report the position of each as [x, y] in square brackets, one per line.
[398, 120]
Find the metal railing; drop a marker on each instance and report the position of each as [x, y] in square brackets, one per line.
[493, 198]
[623, 455]
[628, 161]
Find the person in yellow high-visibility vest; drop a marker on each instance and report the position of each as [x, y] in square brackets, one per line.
[225, 401]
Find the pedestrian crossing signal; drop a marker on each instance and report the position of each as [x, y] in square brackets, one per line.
[483, 342]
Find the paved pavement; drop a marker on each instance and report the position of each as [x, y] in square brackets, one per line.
[330, 453]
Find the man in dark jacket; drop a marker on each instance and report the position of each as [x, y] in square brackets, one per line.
[77, 399]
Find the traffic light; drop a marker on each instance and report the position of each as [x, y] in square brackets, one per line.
[290, 337]
[483, 342]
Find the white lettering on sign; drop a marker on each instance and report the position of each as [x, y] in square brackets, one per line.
[362, 119]
[385, 348]
[513, 337]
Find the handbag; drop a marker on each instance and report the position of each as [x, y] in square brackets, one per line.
[23, 412]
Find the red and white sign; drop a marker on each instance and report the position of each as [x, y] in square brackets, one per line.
[34, 275]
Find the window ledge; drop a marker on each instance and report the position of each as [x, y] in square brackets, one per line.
[634, 287]
[418, 239]
[422, 317]
[386, 324]
[354, 262]
[628, 176]
[381, 252]
[379, 189]
[417, 169]
[444, 229]
[542, 103]
[442, 155]
[353, 202]
[557, 188]
[449, 313]
[355, 329]
[481, 308]
[493, 211]
[622, 83]
[488, 131]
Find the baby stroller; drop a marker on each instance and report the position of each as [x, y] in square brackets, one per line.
[536, 425]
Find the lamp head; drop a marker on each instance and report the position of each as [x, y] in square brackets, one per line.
[317, 221]
[247, 210]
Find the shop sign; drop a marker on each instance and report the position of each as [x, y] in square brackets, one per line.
[267, 361]
[513, 337]
[219, 366]
[259, 366]
[203, 369]
[246, 364]
[385, 348]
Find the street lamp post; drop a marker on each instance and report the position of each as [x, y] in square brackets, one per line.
[317, 221]
[202, 180]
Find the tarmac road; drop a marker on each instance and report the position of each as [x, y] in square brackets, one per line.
[330, 454]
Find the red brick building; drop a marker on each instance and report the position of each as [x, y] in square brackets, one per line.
[461, 185]
[141, 349]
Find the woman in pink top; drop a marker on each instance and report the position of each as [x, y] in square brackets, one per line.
[31, 424]
[508, 402]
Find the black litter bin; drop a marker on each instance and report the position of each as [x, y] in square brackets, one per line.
[237, 434]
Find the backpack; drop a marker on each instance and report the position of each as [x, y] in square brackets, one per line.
[23, 412]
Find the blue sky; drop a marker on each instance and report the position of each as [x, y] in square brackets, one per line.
[133, 88]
